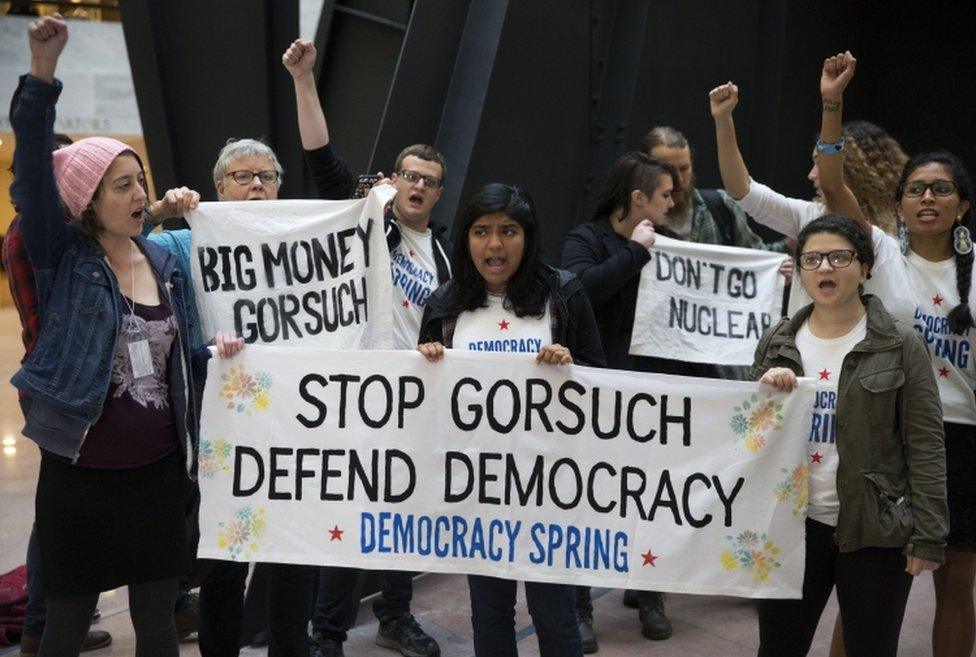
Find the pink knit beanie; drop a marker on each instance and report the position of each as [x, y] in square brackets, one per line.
[80, 167]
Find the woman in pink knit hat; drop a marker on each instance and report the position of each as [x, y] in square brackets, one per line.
[109, 386]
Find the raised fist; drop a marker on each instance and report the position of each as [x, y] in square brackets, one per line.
[723, 99]
[299, 58]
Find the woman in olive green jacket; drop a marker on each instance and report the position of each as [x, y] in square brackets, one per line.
[877, 511]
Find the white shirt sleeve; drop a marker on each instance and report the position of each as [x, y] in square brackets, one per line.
[781, 213]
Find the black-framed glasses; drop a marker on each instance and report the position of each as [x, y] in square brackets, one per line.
[810, 260]
[412, 177]
[245, 177]
[939, 188]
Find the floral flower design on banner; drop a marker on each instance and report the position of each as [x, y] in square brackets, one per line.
[246, 392]
[796, 486]
[753, 418]
[214, 457]
[240, 535]
[751, 551]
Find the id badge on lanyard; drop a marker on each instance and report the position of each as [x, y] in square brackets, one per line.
[140, 356]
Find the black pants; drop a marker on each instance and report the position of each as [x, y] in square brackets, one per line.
[334, 607]
[872, 589]
[150, 607]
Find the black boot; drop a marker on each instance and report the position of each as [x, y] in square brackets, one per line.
[654, 624]
[584, 612]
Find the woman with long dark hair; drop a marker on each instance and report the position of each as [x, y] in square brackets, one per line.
[924, 277]
[499, 280]
[877, 507]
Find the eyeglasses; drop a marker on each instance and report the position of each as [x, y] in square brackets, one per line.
[810, 260]
[412, 177]
[245, 177]
[938, 187]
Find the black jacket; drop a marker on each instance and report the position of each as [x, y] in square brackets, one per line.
[334, 182]
[574, 326]
[609, 267]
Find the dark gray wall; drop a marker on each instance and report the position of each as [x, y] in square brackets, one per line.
[545, 95]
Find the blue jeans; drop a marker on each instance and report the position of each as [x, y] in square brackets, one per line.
[553, 611]
[36, 614]
[335, 607]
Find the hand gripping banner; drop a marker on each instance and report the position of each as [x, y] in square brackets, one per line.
[491, 464]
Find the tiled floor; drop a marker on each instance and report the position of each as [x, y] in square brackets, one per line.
[703, 625]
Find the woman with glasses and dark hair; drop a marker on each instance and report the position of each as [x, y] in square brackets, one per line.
[924, 277]
[498, 281]
[877, 511]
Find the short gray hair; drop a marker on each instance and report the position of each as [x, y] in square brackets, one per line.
[236, 148]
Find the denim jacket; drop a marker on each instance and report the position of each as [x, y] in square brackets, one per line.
[890, 439]
[66, 376]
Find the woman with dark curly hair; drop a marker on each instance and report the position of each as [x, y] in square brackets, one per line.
[924, 277]
[872, 158]
[498, 281]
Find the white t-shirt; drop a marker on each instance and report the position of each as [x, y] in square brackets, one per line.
[493, 328]
[921, 293]
[414, 279]
[823, 360]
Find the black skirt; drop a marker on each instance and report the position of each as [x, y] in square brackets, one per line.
[101, 529]
[961, 485]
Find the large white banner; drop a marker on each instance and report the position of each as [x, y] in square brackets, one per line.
[288, 272]
[491, 464]
[705, 303]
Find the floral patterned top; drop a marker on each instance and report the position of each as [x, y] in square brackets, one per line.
[137, 425]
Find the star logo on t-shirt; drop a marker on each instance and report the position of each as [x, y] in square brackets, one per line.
[649, 559]
[405, 303]
[824, 374]
[937, 300]
[336, 533]
[944, 372]
[816, 457]
[503, 325]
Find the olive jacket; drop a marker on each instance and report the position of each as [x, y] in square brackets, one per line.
[890, 438]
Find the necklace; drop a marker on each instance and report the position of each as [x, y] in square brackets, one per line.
[132, 326]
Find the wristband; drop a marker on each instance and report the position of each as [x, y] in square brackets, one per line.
[831, 147]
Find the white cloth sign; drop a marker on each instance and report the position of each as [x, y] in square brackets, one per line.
[315, 273]
[491, 464]
[704, 303]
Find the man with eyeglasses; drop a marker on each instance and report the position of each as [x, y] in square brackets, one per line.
[419, 264]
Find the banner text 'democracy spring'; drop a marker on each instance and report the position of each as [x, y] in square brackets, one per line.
[491, 464]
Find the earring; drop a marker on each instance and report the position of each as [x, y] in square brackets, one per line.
[904, 237]
[962, 241]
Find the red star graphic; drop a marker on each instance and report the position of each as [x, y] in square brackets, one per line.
[412, 254]
[937, 300]
[816, 457]
[336, 533]
[944, 372]
[824, 374]
[649, 559]
[503, 325]
[405, 303]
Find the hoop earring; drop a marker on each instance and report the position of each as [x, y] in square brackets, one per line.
[904, 237]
